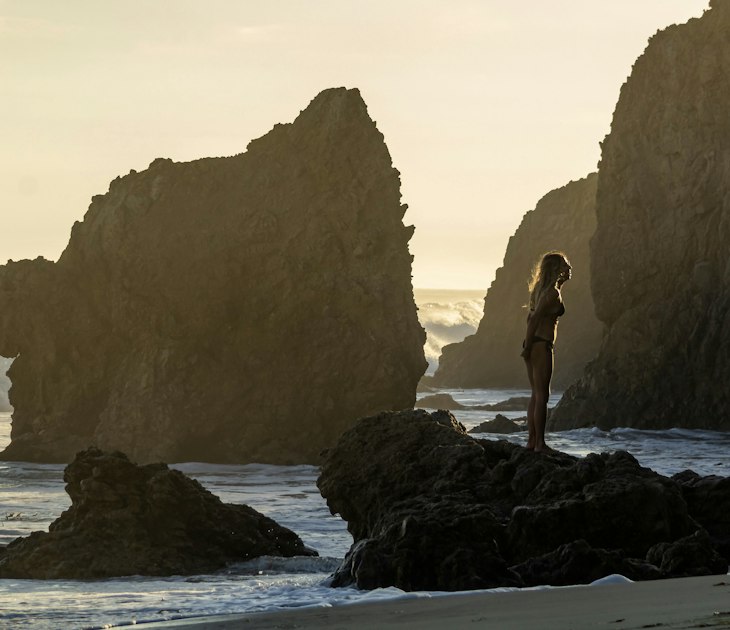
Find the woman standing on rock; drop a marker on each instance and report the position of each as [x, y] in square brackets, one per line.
[546, 305]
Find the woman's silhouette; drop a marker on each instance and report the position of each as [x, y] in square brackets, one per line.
[546, 305]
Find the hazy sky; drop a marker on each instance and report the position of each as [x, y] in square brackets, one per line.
[485, 105]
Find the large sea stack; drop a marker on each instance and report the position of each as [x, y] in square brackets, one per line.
[659, 257]
[563, 219]
[237, 309]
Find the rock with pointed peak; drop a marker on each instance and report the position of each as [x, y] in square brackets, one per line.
[239, 309]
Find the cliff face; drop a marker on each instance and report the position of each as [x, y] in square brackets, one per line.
[247, 308]
[661, 277]
[563, 219]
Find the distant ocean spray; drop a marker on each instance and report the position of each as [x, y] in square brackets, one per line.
[448, 315]
[4, 384]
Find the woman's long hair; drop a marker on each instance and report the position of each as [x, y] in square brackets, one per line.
[544, 275]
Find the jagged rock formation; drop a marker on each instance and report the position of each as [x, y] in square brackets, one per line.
[431, 508]
[142, 520]
[4, 385]
[563, 219]
[660, 272]
[234, 309]
[708, 499]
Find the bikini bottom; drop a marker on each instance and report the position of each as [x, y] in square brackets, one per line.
[537, 339]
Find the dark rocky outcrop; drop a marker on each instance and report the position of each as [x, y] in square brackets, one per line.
[579, 563]
[563, 219]
[688, 556]
[708, 499]
[236, 309]
[429, 507]
[500, 424]
[659, 257]
[142, 520]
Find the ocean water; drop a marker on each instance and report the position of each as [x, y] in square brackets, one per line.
[32, 495]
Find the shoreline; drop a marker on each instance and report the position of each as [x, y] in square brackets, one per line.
[695, 602]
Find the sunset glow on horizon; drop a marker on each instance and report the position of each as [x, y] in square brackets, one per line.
[485, 105]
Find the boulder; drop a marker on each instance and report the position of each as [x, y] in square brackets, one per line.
[238, 309]
[127, 519]
[577, 562]
[434, 540]
[563, 219]
[708, 499]
[660, 276]
[687, 557]
[608, 500]
[430, 507]
[500, 424]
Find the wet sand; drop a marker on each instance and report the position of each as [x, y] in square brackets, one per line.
[698, 602]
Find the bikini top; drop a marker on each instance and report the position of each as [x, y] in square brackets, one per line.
[559, 313]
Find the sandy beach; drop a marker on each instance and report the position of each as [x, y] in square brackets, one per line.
[698, 602]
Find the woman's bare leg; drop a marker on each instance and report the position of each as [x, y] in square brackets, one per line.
[530, 409]
[541, 359]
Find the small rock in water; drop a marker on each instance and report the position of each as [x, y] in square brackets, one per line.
[500, 424]
[127, 519]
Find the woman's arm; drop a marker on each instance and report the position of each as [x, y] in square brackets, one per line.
[547, 300]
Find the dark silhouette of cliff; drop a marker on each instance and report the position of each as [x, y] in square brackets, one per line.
[237, 309]
[563, 219]
[660, 272]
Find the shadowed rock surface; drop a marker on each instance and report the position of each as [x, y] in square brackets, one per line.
[239, 309]
[577, 562]
[142, 520]
[708, 499]
[429, 507]
[563, 219]
[500, 424]
[660, 270]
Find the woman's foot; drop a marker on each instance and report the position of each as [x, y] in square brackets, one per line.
[546, 449]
